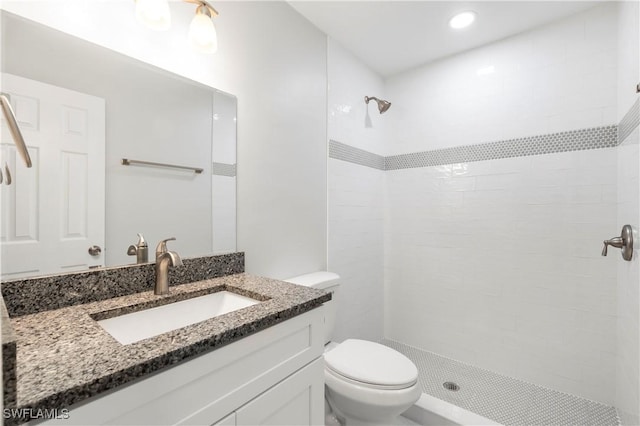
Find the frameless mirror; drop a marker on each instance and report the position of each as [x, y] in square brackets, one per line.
[85, 112]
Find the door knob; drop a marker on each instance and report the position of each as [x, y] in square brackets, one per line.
[95, 250]
[624, 242]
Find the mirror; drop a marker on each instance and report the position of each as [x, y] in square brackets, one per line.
[83, 109]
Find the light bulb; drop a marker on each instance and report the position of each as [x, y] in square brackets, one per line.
[202, 34]
[154, 14]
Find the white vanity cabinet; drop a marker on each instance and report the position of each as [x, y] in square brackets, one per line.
[297, 400]
[294, 401]
[274, 376]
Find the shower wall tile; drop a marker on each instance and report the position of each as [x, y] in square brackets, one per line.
[350, 120]
[492, 250]
[556, 78]
[629, 122]
[355, 196]
[356, 253]
[628, 302]
[628, 52]
[628, 319]
[344, 152]
[498, 263]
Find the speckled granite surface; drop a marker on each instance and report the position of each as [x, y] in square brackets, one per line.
[65, 356]
[29, 296]
[8, 358]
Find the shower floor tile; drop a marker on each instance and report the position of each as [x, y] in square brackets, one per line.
[501, 398]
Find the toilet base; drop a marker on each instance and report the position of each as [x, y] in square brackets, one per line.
[356, 405]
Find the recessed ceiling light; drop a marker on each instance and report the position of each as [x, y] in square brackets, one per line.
[462, 20]
[486, 70]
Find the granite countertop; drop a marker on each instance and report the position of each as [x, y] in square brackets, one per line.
[64, 356]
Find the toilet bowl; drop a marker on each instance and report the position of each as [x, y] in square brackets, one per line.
[365, 382]
[368, 383]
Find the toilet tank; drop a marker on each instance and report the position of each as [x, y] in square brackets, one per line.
[327, 281]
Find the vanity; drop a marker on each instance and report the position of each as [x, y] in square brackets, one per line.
[258, 364]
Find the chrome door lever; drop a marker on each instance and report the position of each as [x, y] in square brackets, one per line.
[624, 242]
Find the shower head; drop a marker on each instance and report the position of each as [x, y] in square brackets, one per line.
[383, 105]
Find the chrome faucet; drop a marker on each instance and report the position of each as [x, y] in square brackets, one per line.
[140, 250]
[164, 259]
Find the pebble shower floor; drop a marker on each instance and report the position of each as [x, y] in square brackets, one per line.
[501, 398]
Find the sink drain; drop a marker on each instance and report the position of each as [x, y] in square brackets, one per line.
[451, 386]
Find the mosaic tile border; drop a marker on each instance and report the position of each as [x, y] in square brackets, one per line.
[344, 152]
[503, 399]
[223, 169]
[573, 140]
[629, 122]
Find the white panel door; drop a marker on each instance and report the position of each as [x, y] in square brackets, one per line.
[54, 211]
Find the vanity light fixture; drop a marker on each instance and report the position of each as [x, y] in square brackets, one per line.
[155, 15]
[462, 20]
[202, 32]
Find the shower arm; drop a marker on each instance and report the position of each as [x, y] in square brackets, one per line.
[18, 140]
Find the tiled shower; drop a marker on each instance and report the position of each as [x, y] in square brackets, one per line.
[473, 212]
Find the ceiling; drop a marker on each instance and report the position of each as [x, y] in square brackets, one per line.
[394, 36]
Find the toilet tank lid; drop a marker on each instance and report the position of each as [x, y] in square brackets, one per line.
[314, 279]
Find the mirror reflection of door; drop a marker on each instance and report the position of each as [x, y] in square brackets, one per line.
[53, 212]
[153, 116]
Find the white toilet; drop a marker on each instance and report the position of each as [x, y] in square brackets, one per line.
[365, 382]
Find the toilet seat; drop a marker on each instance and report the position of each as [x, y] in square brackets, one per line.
[371, 365]
[362, 385]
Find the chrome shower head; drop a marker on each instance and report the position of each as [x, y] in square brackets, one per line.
[383, 105]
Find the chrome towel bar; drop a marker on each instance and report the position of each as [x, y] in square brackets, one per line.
[129, 162]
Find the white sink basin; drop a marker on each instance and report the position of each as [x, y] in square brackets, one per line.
[130, 328]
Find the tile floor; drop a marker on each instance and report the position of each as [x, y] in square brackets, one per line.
[501, 398]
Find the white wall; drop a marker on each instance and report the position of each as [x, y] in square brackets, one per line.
[559, 77]
[628, 48]
[355, 198]
[274, 61]
[628, 325]
[497, 263]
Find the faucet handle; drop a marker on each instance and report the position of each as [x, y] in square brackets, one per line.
[162, 246]
[141, 241]
[624, 241]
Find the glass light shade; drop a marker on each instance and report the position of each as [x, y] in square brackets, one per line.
[154, 14]
[202, 34]
[462, 20]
